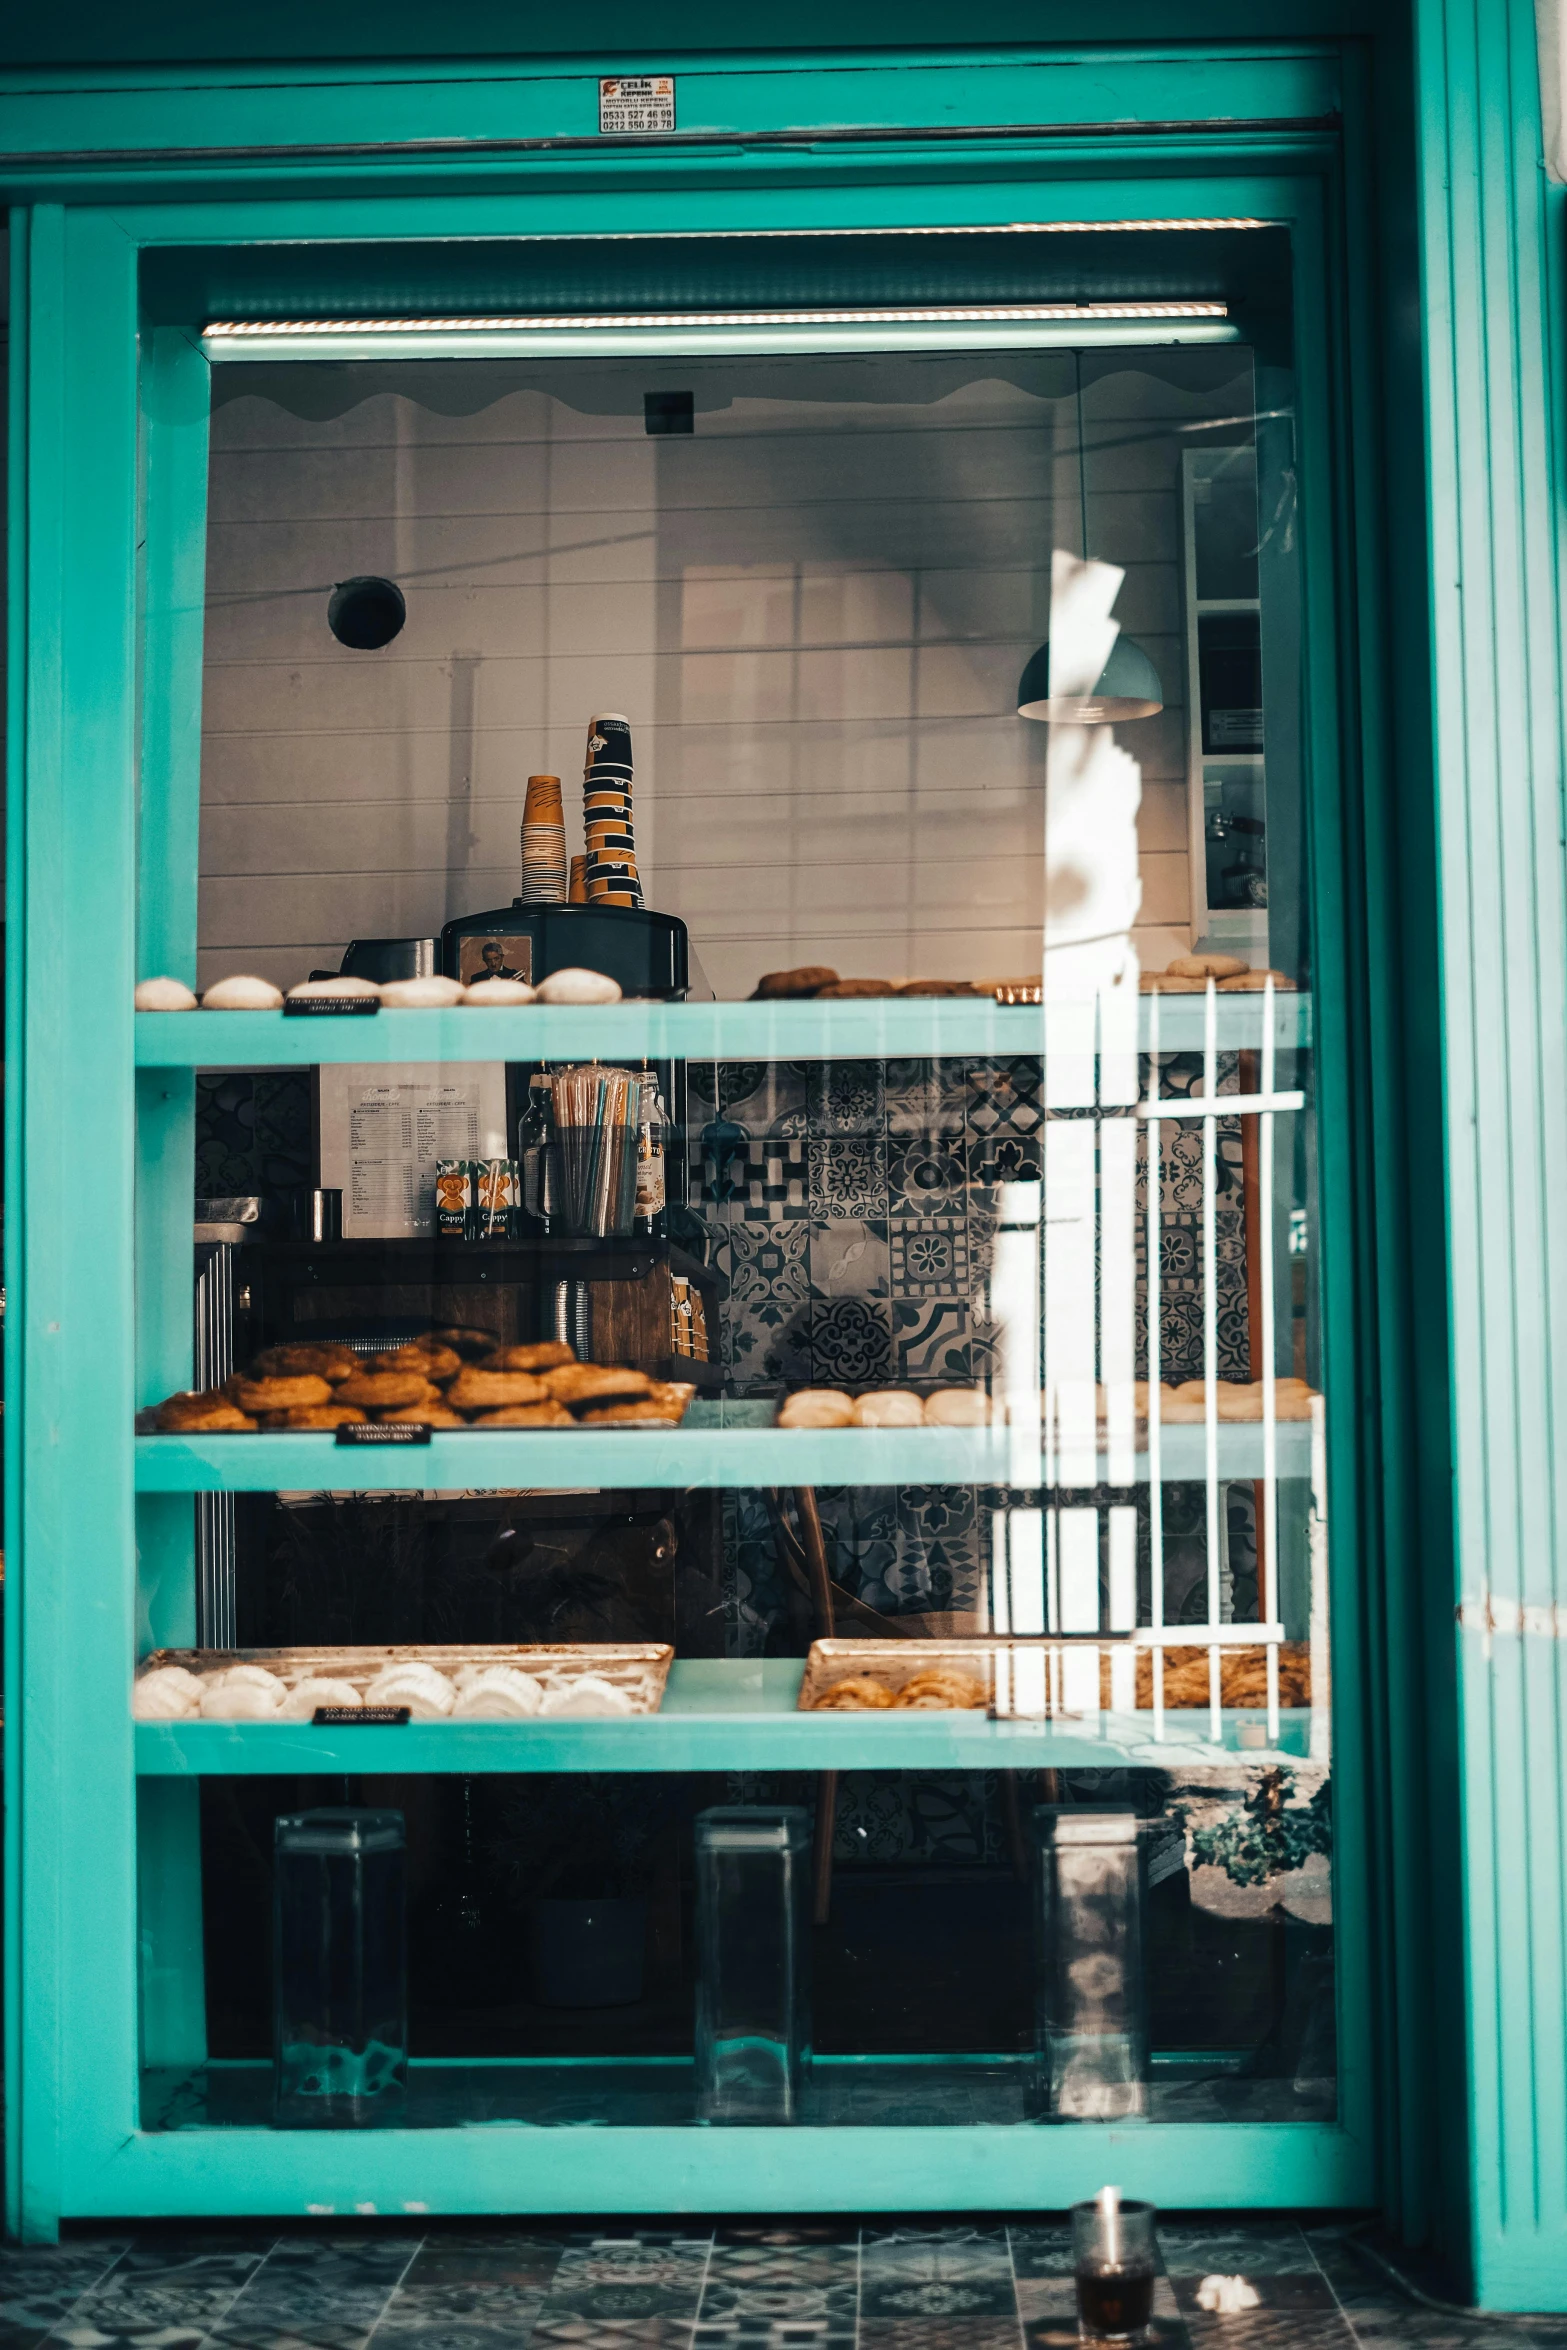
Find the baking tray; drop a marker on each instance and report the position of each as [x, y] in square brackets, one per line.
[1243, 1671]
[640, 1667]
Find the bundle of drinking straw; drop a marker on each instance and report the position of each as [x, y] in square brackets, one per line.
[598, 1114]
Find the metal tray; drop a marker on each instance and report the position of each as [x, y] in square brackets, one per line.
[640, 1667]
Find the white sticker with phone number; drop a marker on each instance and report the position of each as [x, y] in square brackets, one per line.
[637, 102]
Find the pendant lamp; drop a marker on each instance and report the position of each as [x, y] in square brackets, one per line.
[1128, 684]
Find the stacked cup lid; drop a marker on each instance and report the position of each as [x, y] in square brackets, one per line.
[543, 843]
[606, 815]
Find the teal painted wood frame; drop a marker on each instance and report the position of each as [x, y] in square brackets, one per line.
[74, 2148]
[1493, 383]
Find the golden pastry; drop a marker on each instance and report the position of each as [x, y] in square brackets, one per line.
[482, 1390]
[673, 1395]
[1168, 983]
[424, 1415]
[854, 1695]
[937, 987]
[548, 1414]
[845, 988]
[644, 1412]
[202, 1415]
[1205, 966]
[323, 1415]
[281, 1395]
[943, 1685]
[806, 980]
[1254, 982]
[470, 1344]
[595, 1383]
[304, 1360]
[541, 1354]
[383, 1391]
[426, 1355]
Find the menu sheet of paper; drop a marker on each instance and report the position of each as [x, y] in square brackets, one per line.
[383, 1125]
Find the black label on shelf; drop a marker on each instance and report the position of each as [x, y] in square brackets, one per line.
[322, 1007]
[384, 1432]
[356, 1717]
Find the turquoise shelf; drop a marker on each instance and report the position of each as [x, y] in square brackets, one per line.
[547, 1460]
[715, 1711]
[917, 1027]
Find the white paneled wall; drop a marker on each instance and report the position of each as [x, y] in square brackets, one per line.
[814, 611]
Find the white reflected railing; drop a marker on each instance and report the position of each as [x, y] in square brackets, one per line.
[1066, 1574]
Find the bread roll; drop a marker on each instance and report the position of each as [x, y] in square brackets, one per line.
[243, 993]
[889, 1407]
[164, 995]
[579, 987]
[816, 1407]
[958, 1407]
[496, 994]
[429, 994]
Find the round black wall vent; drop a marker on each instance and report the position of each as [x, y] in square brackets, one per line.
[365, 613]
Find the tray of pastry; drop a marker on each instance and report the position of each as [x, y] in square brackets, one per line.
[445, 1379]
[436, 1684]
[881, 1676]
[884, 1676]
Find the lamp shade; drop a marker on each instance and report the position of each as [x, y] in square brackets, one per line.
[1127, 687]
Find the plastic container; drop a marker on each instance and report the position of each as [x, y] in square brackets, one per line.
[753, 2009]
[1090, 2015]
[340, 1970]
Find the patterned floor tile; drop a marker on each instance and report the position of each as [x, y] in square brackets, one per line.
[1228, 2247]
[950, 2273]
[40, 2286]
[454, 2316]
[180, 2288]
[490, 2257]
[939, 2333]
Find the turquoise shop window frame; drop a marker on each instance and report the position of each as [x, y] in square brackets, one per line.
[107, 615]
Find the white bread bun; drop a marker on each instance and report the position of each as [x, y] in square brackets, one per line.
[500, 1693]
[430, 994]
[243, 993]
[227, 1699]
[167, 1694]
[311, 991]
[500, 991]
[587, 1694]
[301, 1702]
[428, 1695]
[164, 995]
[579, 987]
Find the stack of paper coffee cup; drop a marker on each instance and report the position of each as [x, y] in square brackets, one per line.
[543, 843]
[606, 814]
